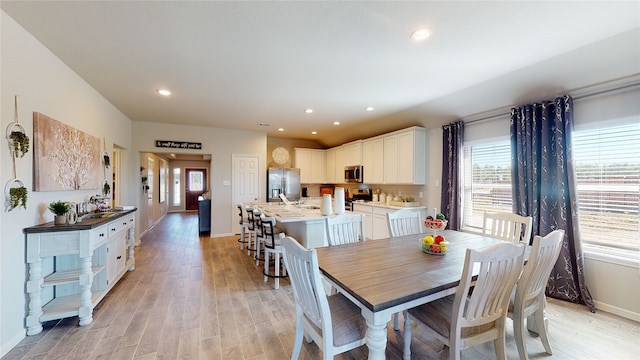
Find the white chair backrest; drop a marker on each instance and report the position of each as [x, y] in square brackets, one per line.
[544, 254]
[304, 274]
[345, 229]
[507, 226]
[404, 222]
[269, 231]
[499, 267]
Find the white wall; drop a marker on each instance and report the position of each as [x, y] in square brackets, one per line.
[221, 144]
[46, 85]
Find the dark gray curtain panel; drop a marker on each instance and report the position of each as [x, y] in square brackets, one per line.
[544, 187]
[451, 196]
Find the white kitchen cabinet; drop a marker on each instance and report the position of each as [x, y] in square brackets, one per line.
[390, 159]
[72, 267]
[405, 157]
[353, 153]
[330, 172]
[372, 160]
[340, 164]
[380, 227]
[312, 165]
[367, 211]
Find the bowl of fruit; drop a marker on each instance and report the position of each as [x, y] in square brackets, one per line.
[436, 245]
[439, 222]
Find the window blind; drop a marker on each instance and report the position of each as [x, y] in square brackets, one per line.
[487, 182]
[607, 165]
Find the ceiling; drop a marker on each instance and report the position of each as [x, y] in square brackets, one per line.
[241, 64]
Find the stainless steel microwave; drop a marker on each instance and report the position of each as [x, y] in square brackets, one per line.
[353, 174]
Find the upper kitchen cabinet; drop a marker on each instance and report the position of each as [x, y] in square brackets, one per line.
[331, 173]
[353, 153]
[404, 159]
[312, 165]
[372, 158]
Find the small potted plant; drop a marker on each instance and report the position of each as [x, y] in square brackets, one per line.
[60, 209]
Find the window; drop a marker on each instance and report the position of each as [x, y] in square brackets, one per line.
[607, 164]
[177, 201]
[486, 182]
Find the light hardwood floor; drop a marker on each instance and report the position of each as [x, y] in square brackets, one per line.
[194, 297]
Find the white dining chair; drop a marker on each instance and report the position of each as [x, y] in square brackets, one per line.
[462, 320]
[507, 226]
[529, 300]
[404, 222]
[345, 228]
[334, 323]
[400, 223]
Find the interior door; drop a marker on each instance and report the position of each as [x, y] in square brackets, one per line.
[195, 186]
[246, 183]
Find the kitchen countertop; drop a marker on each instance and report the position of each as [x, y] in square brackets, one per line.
[291, 213]
[388, 206]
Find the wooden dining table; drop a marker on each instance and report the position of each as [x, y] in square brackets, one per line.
[386, 276]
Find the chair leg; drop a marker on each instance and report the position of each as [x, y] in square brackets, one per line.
[297, 342]
[241, 239]
[266, 264]
[500, 344]
[249, 242]
[518, 334]
[406, 352]
[277, 270]
[396, 322]
[542, 326]
[258, 249]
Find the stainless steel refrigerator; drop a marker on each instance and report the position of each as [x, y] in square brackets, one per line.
[283, 181]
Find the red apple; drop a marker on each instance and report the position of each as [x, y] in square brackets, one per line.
[438, 239]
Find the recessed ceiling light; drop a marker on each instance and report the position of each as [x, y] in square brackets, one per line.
[314, 133]
[420, 34]
[308, 111]
[164, 92]
[336, 123]
[369, 108]
[280, 129]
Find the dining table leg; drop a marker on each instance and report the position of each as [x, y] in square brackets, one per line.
[376, 339]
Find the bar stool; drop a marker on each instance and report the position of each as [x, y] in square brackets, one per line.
[259, 237]
[272, 236]
[253, 216]
[244, 224]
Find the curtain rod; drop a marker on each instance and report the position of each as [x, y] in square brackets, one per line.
[577, 97]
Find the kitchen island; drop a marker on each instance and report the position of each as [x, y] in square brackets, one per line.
[306, 224]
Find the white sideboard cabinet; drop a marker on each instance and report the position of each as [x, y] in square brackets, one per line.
[72, 267]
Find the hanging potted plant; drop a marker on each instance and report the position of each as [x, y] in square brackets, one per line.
[18, 196]
[19, 142]
[106, 189]
[106, 160]
[60, 209]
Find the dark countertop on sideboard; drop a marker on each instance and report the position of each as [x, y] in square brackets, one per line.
[86, 224]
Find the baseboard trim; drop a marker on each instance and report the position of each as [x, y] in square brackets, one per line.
[617, 311]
